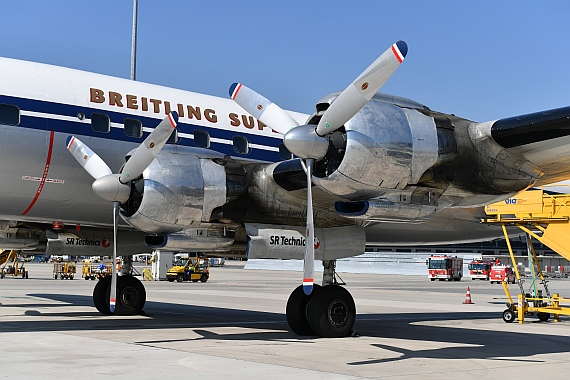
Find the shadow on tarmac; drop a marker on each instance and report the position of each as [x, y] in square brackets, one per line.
[466, 343]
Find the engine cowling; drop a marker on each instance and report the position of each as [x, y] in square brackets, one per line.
[179, 189]
[386, 146]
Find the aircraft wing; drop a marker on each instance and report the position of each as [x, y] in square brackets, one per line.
[543, 138]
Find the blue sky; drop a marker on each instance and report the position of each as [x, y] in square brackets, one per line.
[482, 60]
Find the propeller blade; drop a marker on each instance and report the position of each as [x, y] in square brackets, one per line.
[149, 149]
[262, 109]
[309, 261]
[113, 295]
[88, 159]
[359, 92]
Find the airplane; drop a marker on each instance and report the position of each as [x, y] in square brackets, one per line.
[241, 177]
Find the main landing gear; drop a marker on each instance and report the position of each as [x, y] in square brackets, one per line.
[131, 295]
[329, 311]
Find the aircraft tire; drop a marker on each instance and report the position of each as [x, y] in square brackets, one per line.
[131, 296]
[100, 298]
[296, 310]
[331, 312]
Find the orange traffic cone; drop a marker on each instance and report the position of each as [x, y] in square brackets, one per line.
[468, 297]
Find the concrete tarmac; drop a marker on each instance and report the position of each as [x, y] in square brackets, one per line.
[234, 327]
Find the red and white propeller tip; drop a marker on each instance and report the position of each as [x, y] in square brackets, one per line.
[149, 149]
[362, 89]
[262, 108]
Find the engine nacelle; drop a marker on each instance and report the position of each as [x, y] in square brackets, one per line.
[179, 189]
[387, 147]
[196, 239]
[288, 242]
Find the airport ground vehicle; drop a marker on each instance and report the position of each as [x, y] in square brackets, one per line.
[480, 268]
[92, 271]
[10, 265]
[445, 267]
[64, 271]
[500, 273]
[194, 269]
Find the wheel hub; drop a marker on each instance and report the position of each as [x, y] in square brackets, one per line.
[338, 313]
[129, 297]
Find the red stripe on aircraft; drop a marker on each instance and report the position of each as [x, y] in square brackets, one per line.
[44, 176]
[172, 121]
[397, 53]
[236, 91]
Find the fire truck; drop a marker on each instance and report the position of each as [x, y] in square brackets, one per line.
[480, 268]
[444, 267]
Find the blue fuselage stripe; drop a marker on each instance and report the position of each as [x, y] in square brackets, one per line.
[81, 128]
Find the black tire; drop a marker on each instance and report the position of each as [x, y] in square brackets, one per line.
[543, 316]
[100, 298]
[86, 278]
[296, 310]
[433, 279]
[180, 278]
[204, 277]
[131, 296]
[170, 279]
[55, 276]
[509, 316]
[331, 312]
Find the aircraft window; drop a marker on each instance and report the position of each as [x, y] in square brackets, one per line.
[9, 114]
[173, 139]
[133, 128]
[100, 123]
[284, 153]
[240, 144]
[201, 139]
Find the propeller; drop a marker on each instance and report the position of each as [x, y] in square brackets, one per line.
[115, 187]
[308, 141]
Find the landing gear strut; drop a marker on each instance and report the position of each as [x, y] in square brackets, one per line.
[329, 311]
[131, 296]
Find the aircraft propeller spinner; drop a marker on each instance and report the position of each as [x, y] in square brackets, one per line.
[308, 141]
[115, 187]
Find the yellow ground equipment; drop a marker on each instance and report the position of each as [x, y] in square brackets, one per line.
[92, 271]
[546, 218]
[64, 271]
[194, 269]
[9, 264]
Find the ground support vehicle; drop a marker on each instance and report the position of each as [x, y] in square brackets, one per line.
[444, 267]
[10, 265]
[99, 270]
[64, 270]
[545, 217]
[194, 269]
[480, 269]
[502, 273]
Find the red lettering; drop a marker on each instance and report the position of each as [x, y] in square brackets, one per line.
[194, 113]
[248, 121]
[132, 102]
[156, 104]
[260, 125]
[234, 120]
[211, 116]
[144, 104]
[167, 109]
[180, 110]
[115, 99]
[97, 96]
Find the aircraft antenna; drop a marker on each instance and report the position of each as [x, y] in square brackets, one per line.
[134, 42]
